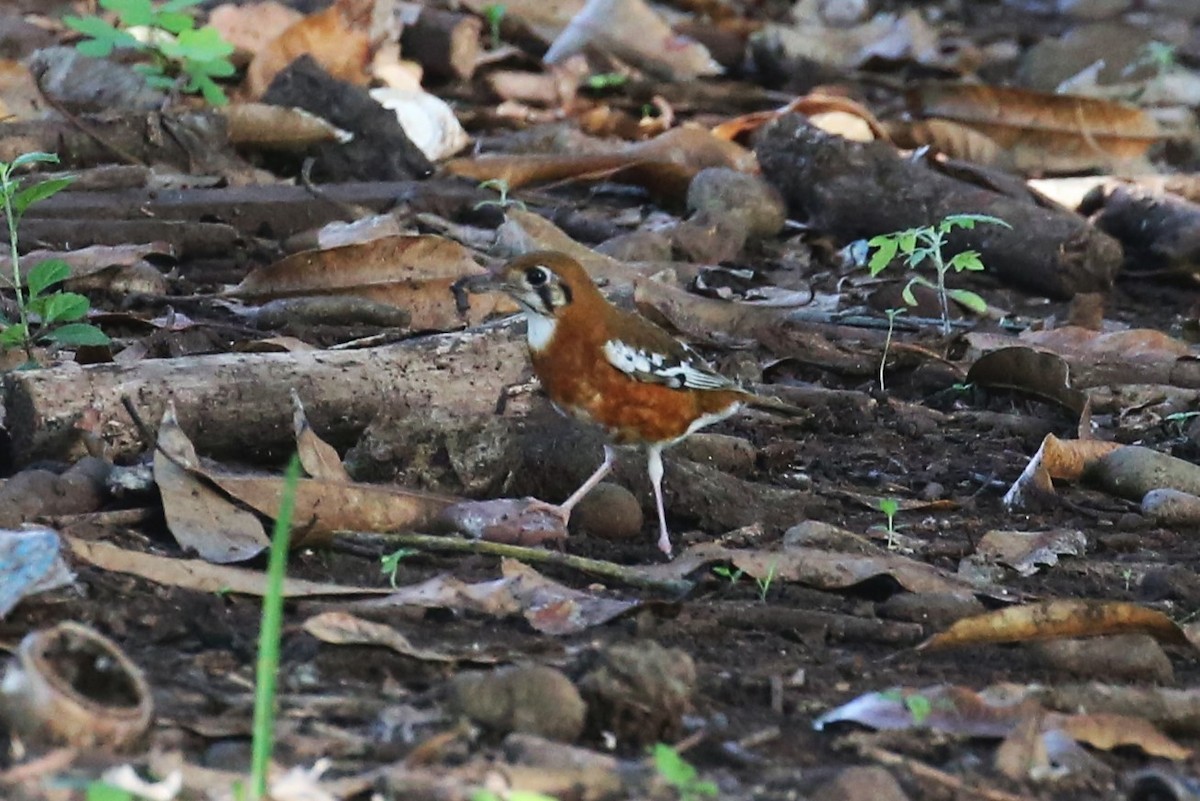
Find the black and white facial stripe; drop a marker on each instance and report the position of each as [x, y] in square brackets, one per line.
[553, 294]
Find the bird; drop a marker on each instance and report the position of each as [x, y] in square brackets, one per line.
[614, 368]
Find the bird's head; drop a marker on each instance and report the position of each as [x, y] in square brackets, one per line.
[544, 283]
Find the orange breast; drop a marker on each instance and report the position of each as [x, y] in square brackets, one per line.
[580, 381]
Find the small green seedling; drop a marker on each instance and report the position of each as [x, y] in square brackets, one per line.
[889, 506]
[918, 705]
[267, 669]
[493, 14]
[764, 582]
[179, 55]
[681, 774]
[501, 187]
[924, 244]
[99, 791]
[892, 314]
[1162, 57]
[605, 81]
[42, 315]
[389, 563]
[728, 573]
[1177, 420]
[510, 795]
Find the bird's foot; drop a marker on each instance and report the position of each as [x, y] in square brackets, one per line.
[664, 543]
[558, 510]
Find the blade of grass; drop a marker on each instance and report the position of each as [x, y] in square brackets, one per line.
[269, 635]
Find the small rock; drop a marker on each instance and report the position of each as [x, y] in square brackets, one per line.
[532, 699]
[1125, 657]
[1171, 507]
[717, 192]
[433, 449]
[640, 691]
[818, 534]
[933, 491]
[1171, 583]
[85, 84]
[725, 452]
[936, 610]
[35, 492]
[865, 783]
[610, 512]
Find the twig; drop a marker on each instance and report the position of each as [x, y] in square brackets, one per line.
[146, 433]
[351, 211]
[924, 771]
[358, 541]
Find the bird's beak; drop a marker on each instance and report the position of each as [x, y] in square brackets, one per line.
[479, 284]
[475, 285]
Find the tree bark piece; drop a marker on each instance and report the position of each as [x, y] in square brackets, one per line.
[273, 211]
[444, 43]
[851, 191]
[239, 404]
[380, 150]
[194, 141]
[1158, 229]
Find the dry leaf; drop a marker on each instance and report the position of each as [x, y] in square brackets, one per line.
[830, 570]
[195, 574]
[278, 127]
[1026, 551]
[251, 27]
[553, 608]
[20, 97]
[942, 708]
[1043, 375]
[1057, 620]
[635, 33]
[323, 507]
[955, 139]
[1044, 132]
[832, 113]
[334, 37]
[550, 607]
[1108, 732]
[1056, 458]
[1131, 345]
[427, 120]
[199, 517]
[664, 165]
[341, 628]
[317, 457]
[410, 272]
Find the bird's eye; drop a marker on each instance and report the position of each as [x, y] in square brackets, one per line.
[537, 276]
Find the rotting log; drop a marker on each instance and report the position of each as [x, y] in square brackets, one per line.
[238, 404]
[446, 44]
[268, 211]
[852, 190]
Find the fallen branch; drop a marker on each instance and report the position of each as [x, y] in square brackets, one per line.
[360, 542]
[239, 404]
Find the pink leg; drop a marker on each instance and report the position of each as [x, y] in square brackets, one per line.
[654, 466]
[563, 509]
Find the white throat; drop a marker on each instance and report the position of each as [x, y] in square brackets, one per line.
[540, 331]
